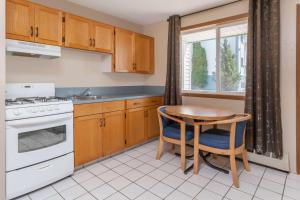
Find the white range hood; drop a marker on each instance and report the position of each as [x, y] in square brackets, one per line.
[30, 49]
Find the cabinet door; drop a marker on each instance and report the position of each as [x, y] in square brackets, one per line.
[135, 126]
[78, 32]
[87, 139]
[124, 53]
[103, 40]
[152, 124]
[19, 20]
[113, 132]
[144, 56]
[48, 25]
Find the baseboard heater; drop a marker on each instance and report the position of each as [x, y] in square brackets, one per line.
[281, 164]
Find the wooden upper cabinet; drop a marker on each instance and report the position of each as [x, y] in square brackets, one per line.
[78, 32]
[48, 25]
[31, 22]
[144, 54]
[103, 37]
[19, 20]
[124, 52]
[113, 132]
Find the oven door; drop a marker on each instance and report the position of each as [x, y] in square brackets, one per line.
[34, 140]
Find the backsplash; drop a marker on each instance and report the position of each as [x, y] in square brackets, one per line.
[114, 90]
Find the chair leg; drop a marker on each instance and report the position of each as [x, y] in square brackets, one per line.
[182, 157]
[196, 149]
[160, 149]
[234, 171]
[245, 160]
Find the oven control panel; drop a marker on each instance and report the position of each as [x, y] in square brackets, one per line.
[37, 110]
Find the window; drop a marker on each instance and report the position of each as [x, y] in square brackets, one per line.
[214, 59]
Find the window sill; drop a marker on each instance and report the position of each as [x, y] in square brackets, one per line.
[214, 95]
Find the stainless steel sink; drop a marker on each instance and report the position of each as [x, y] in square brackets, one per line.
[89, 97]
[85, 97]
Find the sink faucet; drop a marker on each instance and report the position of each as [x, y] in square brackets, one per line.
[87, 92]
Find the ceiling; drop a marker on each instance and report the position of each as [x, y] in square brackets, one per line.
[145, 12]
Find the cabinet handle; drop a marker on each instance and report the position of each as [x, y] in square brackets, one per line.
[104, 122]
[94, 41]
[37, 32]
[31, 31]
[101, 122]
[91, 42]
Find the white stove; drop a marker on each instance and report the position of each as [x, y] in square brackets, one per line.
[39, 137]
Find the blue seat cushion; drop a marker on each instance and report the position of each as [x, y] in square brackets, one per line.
[173, 131]
[218, 138]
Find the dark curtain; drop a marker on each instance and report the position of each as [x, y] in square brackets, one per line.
[173, 85]
[264, 132]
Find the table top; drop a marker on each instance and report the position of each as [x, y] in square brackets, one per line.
[199, 112]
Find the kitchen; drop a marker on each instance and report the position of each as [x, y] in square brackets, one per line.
[82, 92]
[104, 117]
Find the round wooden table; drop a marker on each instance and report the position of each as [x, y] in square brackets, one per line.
[200, 113]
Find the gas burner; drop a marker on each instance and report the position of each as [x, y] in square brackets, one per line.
[33, 100]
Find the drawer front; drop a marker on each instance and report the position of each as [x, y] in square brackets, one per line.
[154, 101]
[22, 181]
[136, 103]
[113, 106]
[87, 109]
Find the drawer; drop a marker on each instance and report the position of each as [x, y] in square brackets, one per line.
[151, 101]
[113, 106]
[87, 109]
[24, 180]
[154, 101]
[136, 103]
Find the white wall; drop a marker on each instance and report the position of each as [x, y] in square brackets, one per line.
[288, 77]
[288, 65]
[2, 83]
[75, 67]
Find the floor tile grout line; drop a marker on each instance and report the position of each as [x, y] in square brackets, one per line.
[284, 188]
[58, 192]
[254, 195]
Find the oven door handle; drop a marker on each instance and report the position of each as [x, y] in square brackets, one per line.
[38, 121]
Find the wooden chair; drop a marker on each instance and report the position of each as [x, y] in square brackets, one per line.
[174, 131]
[223, 142]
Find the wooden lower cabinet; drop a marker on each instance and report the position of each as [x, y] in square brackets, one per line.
[87, 138]
[102, 129]
[113, 133]
[152, 124]
[135, 126]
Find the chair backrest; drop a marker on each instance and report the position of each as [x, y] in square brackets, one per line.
[162, 115]
[240, 120]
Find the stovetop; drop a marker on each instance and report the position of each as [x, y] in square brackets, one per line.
[33, 100]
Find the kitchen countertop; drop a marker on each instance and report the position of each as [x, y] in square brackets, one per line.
[114, 98]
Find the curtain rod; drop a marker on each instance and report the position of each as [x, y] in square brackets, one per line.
[210, 8]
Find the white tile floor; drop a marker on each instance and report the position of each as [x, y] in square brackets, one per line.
[136, 174]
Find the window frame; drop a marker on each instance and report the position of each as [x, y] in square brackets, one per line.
[215, 24]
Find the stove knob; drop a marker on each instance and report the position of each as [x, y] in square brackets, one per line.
[56, 107]
[34, 110]
[42, 109]
[50, 108]
[17, 112]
